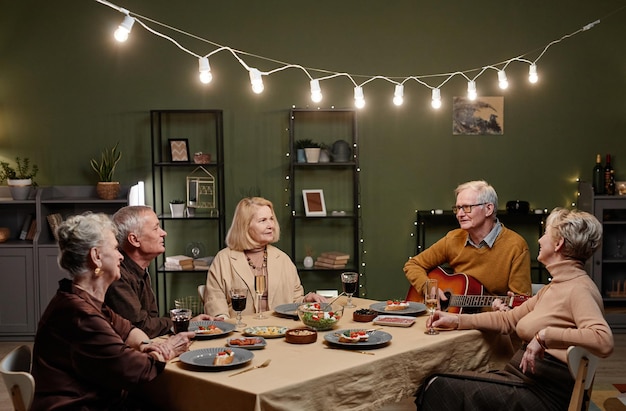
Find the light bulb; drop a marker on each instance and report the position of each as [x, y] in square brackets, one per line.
[256, 80]
[398, 95]
[436, 102]
[471, 90]
[532, 73]
[316, 91]
[359, 100]
[502, 81]
[205, 70]
[122, 32]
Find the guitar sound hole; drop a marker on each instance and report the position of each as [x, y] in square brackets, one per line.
[444, 304]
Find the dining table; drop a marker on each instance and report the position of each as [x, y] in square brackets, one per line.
[322, 375]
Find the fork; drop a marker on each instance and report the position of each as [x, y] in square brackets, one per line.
[265, 364]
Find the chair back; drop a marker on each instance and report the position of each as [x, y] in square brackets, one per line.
[201, 294]
[582, 365]
[15, 370]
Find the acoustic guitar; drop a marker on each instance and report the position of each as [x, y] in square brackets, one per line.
[464, 293]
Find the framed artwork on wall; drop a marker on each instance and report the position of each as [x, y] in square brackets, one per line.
[179, 150]
[314, 205]
[481, 117]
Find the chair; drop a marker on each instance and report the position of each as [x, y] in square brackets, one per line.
[582, 365]
[536, 287]
[201, 294]
[15, 370]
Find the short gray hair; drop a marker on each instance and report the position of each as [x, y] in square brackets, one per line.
[581, 232]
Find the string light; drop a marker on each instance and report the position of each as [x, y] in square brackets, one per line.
[256, 75]
[359, 99]
[436, 102]
[122, 32]
[316, 91]
[256, 80]
[471, 90]
[398, 95]
[532, 73]
[205, 70]
[503, 83]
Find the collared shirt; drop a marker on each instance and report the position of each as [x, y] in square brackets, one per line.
[489, 238]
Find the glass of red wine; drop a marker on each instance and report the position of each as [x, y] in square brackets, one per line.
[238, 298]
[180, 319]
[349, 281]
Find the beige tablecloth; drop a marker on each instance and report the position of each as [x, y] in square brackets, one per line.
[317, 377]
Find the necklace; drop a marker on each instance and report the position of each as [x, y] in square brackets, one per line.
[263, 265]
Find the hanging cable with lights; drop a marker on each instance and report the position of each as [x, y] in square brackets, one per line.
[256, 75]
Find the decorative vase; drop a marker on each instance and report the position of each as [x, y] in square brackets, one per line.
[324, 156]
[308, 261]
[20, 188]
[108, 190]
[312, 154]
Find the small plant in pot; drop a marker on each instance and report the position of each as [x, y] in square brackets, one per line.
[177, 208]
[20, 178]
[107, 189]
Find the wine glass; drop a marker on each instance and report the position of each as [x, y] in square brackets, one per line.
[349, 282]
[238, 298]
[431, 299]
[260, 285]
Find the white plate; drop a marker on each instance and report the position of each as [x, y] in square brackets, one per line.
[256, 346]
[376, 339]
[204, 357]
[413, 309]
[226, 328]
[394, 320]
[269, 331]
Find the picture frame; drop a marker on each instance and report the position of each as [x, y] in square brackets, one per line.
[179, 150]
[314, 205]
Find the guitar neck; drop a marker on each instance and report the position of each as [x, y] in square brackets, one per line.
[476, 301]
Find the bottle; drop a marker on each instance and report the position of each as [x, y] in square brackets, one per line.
[598, 177]
[610, 190]
[607, 173]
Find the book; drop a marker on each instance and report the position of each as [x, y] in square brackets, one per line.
[335, 255]
[179, 259]
[26, 226]
[202, 263]
[32, 230]
[331, 260]
[321, 264]
[54, 220]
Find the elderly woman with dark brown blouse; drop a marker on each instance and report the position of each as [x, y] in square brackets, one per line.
[568, 311]
[85, 356]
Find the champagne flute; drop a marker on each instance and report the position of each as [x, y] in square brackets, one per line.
[260, 285]
[349, 282]
[238, 298]
[431, 299]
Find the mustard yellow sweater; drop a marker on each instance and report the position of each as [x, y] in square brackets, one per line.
[501, 268]
[570, 309]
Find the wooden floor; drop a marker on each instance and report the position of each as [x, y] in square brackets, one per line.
[610, 371]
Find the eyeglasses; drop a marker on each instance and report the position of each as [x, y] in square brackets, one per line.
[466, 208]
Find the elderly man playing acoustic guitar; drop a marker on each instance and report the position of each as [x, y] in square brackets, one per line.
[482, 249]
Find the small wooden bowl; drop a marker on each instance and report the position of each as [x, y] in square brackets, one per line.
[364, 317]
[302, 335]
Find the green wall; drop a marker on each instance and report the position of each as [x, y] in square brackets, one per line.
[67, 90]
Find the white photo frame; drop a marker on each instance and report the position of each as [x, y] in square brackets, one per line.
[314, 205]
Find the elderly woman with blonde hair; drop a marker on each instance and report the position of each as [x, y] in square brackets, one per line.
[250, 254]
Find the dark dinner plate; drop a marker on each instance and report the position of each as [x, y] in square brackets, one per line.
[376, 339]
[413, 309]
[204, 358]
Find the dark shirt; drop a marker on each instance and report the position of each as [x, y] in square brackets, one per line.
[132, 297]
[80, 360]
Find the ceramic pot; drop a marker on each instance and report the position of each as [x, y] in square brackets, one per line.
[20, 188]
[178, 210]
[108, 190]
[301, 157]
[308, 261]
[312, 154]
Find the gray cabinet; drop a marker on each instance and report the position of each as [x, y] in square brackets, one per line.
[29, 271]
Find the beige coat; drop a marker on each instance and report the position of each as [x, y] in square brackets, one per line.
[230, 269]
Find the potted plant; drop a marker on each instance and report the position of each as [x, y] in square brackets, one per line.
[311, 150]
[107, 189]
[177, 207]
[300, 146]
[19, 178]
